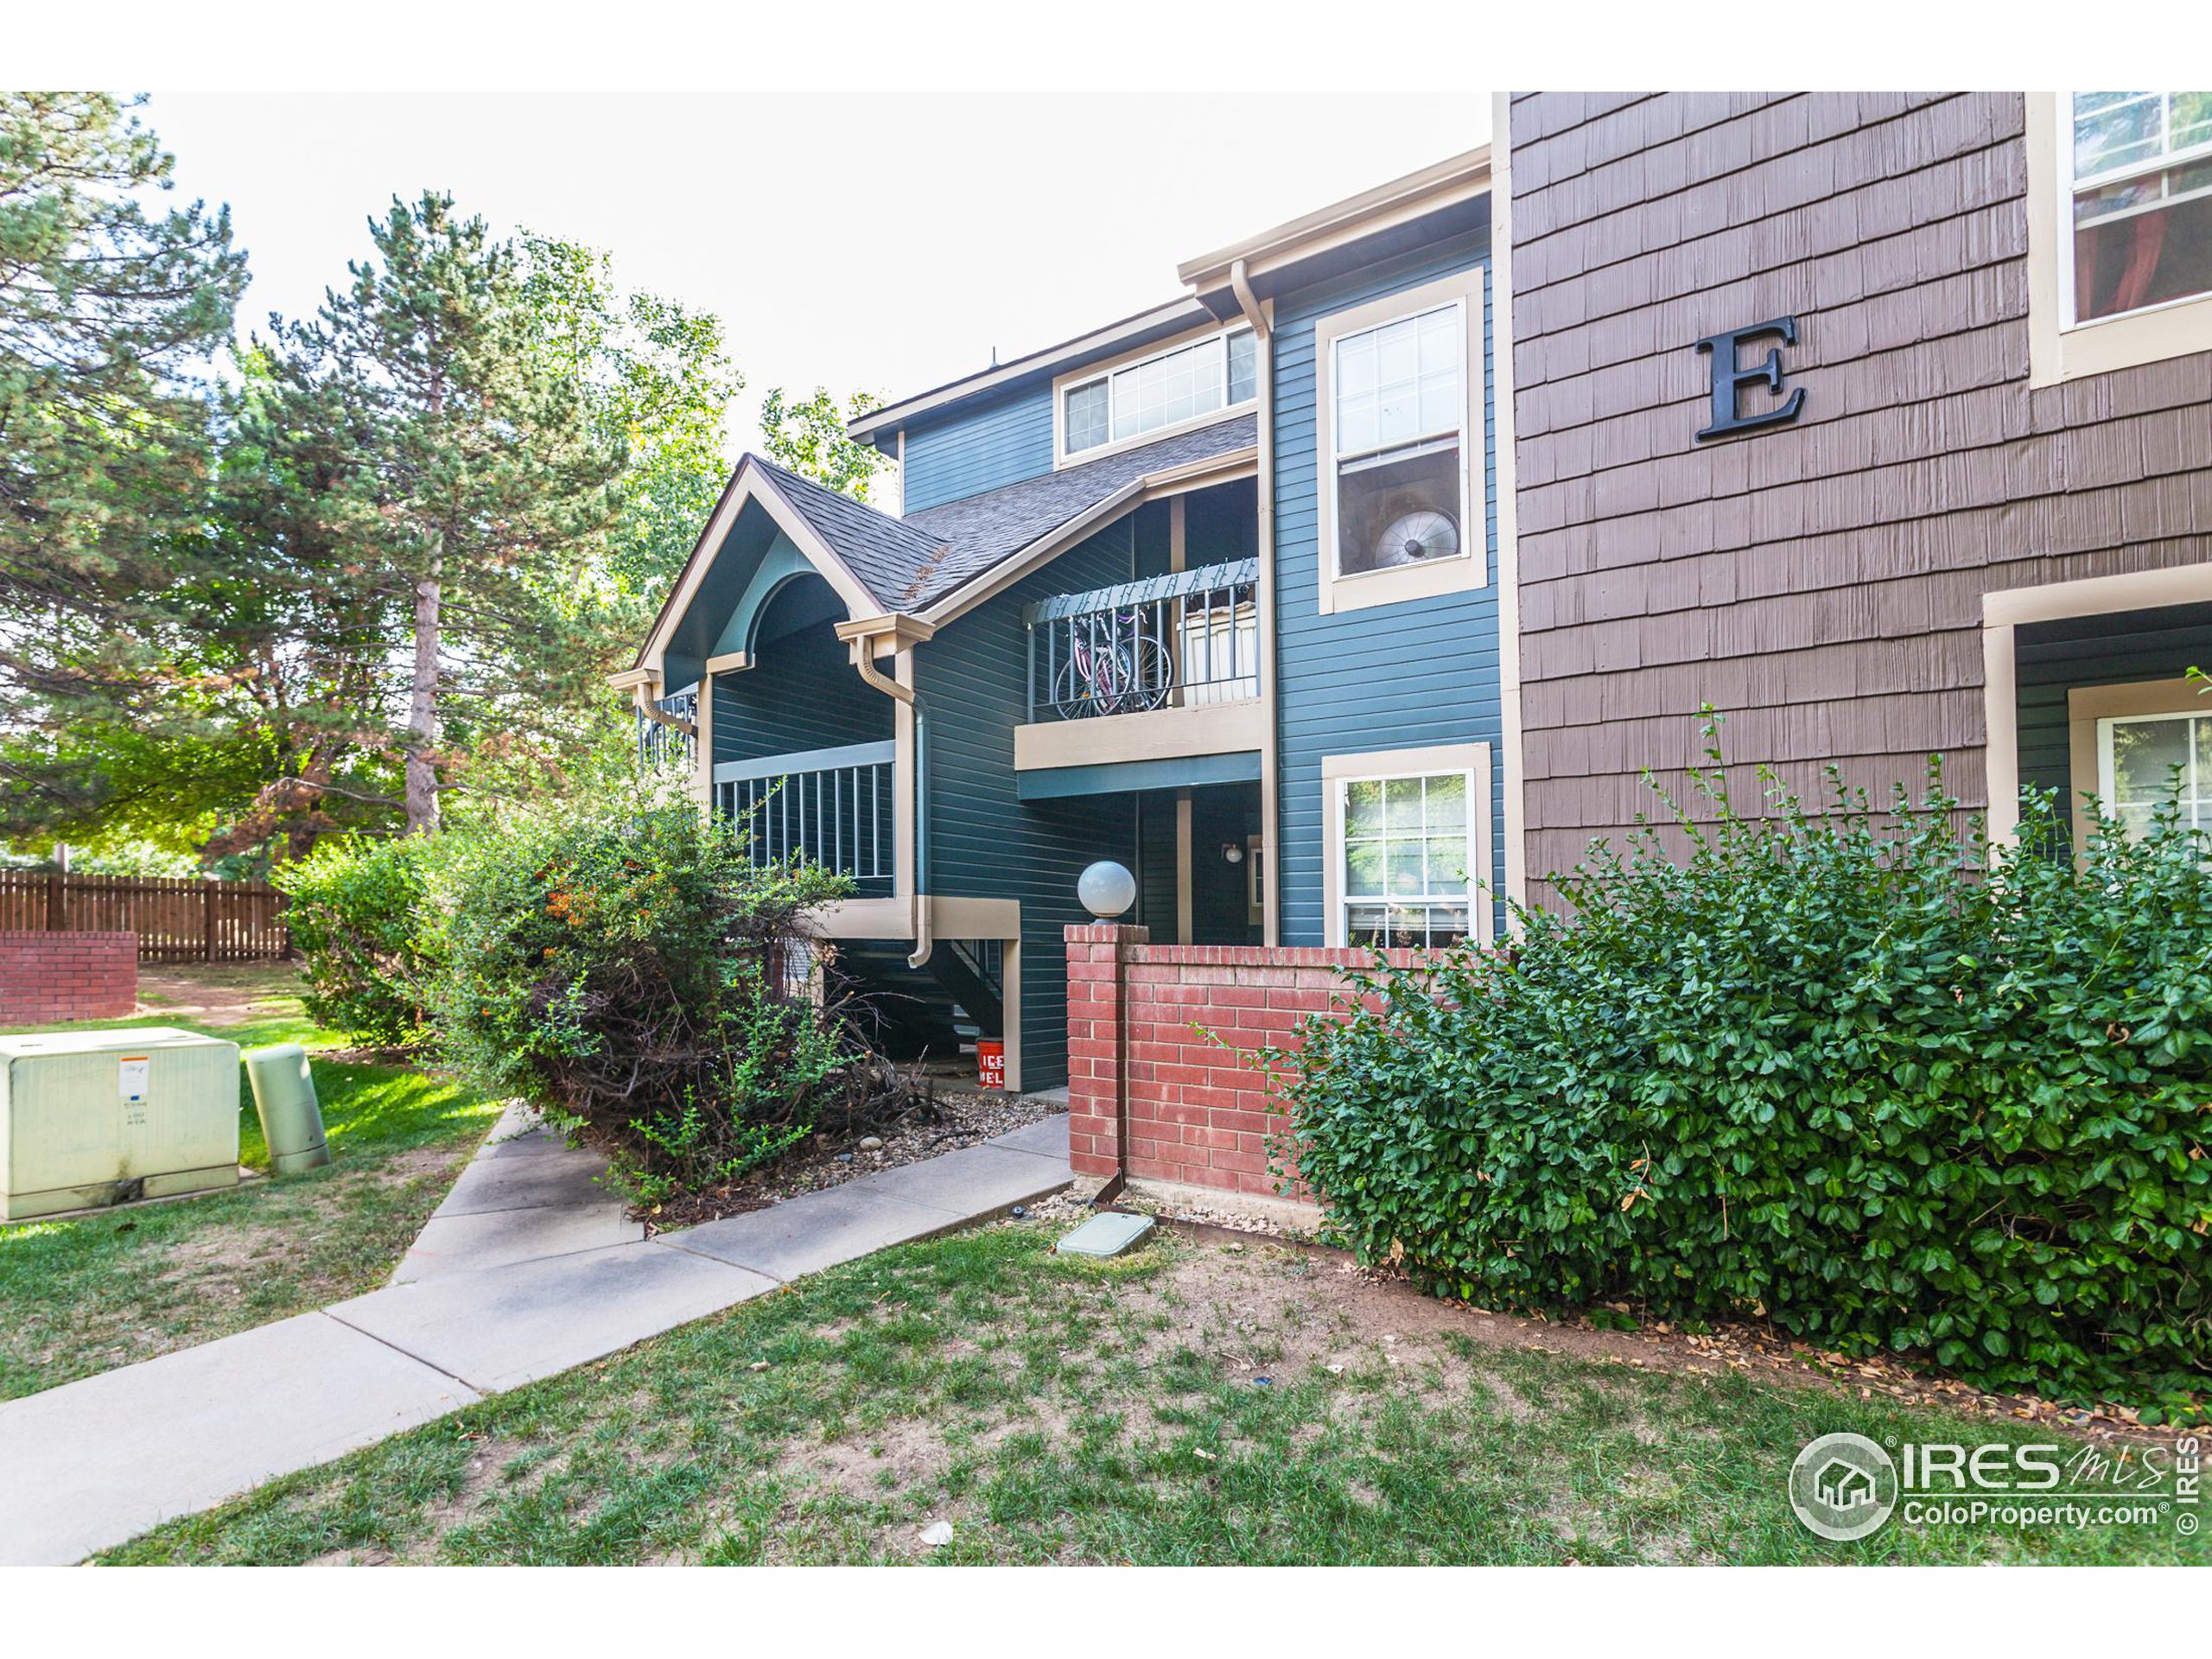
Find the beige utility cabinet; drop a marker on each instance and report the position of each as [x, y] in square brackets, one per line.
[94, 1117]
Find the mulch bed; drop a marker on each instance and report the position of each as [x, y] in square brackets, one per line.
[941, 1123]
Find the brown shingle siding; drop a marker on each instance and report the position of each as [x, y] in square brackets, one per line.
[1596, 219]
[1822, 583]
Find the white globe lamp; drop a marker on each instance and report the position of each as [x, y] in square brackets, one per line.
[1107, 889]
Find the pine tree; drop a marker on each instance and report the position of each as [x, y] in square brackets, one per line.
[108, 312]
[476, 490]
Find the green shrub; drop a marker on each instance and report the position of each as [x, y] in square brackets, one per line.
[616, 965]
[354, 907]
[1842, 1070]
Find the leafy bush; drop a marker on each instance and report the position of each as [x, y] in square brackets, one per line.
[354, 907]
[1846, 1071]
[618, 965]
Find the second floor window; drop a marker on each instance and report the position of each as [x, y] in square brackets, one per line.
[1400, 417]
[1167, 390]
[2142, 200]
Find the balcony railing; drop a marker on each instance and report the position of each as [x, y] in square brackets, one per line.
[831, 807]
[1180, 640]
[659, 745]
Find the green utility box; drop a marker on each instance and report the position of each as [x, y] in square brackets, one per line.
[95, 1117]
[291, 1117]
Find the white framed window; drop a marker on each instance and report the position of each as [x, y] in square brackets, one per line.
[2144, 761]
[2139, 201]
[1408, 831]
[1159, 392]
[2119, 230]
[1399, 396]
[1399, 431]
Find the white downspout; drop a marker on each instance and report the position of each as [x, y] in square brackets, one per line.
[864, 660]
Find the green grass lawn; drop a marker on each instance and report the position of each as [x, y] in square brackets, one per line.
[91, 1293]
[1057, 1411]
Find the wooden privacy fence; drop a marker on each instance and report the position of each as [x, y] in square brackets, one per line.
[177, 918]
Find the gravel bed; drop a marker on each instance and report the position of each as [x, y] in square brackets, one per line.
[953, 1120]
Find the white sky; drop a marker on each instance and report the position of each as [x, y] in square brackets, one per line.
[856, 241]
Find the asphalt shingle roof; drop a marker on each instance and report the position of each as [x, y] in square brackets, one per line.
[883, 551]
[909, 563]
[986, 530]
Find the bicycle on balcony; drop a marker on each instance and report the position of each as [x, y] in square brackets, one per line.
[1117, 662]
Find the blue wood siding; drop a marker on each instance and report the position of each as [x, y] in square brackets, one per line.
[984, 448]
[801, 693]
[2053, 657]
[984, 843]
[1403, 676]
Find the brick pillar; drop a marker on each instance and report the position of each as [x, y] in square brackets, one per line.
[1097, 1049]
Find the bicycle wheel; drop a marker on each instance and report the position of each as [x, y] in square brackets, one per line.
[1071, 694]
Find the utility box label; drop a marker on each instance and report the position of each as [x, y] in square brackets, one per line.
[131, 1078]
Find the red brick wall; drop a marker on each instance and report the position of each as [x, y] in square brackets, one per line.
[1196, 1113]
[53, 978]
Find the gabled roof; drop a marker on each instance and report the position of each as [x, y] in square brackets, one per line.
[906, 565]
[984, 531]
[883, 552]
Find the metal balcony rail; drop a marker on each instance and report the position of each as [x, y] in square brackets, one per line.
[1180, 640]
[831, 807]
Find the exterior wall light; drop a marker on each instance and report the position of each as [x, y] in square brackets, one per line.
[1107, 889]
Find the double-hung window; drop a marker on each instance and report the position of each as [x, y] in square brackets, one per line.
[1400, 441]
[2140, 200]
[1406, 847]
[2120, 231]
[1165, 390]
[1402, 476]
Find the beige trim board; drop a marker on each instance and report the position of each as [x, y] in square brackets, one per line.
[1157, 735]
[2137, 590]
[975, 919]
[2059, 350]
[1186, 875]
[1469, 569]
[730, 662]
[1336, 769]
[903, 763]
[2003, 612]
[867, 918]
[1508, 524]
[1456, 178]
[703, 747]
[2085, 705]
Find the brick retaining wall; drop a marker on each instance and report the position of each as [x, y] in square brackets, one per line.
[53, 978]
[1196, 1113]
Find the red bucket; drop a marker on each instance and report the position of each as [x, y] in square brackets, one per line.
[990, 1063]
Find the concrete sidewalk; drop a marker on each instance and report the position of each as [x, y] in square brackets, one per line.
[521, 1274]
